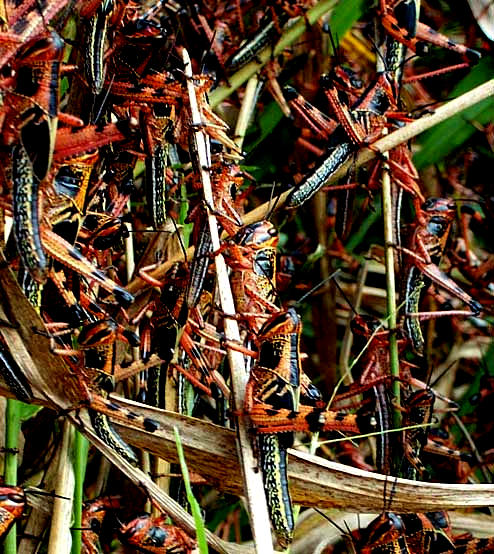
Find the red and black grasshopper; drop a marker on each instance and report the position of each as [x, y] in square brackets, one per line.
[405, 534]
[372, 380]
[201, 261]
[274, 402]
[152, 534]
[30, 114]
[157, 129]
[71, 185]
[383, 534]
[373, 367]
[169, 323]
[419, 407]
[97, 15]
[25, 20]
[35, 238]
[400, 20]
[319, 125]
[421, 258]
[335, 158]
[13, 376]
[360, 125]
[251, 254]
[31, 101]
[12, 504]
[268, 35]
[93, 514]
[96, 353]
[419, 438]
[154, 103]
[420, 533]
[225, 180]
[160, 332]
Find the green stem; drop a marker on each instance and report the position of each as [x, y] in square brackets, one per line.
[12, 428]
[293, 33]
[81, 446]
[194, 505]
[391, 292]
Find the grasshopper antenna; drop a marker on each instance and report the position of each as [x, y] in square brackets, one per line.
[318, 286]
[321, 513]
[103, 102]
[334, 44]
[39, 492]
[346, 534]
[182, 245]
[441, 375]
[347, 300]
[273, 206]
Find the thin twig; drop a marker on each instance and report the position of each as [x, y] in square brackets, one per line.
[245, 113]
[254, 490]
[60, 539]
[389, 262]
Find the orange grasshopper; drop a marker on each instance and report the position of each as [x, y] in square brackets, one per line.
[400, 20]
[152, 534]
[93, 514]
[12, 504]
[274, 403]
[421, 258]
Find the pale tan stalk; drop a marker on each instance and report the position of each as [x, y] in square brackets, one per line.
[253, 485]
[60, 540]
[245, 113]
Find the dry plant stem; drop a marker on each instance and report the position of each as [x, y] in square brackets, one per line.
[60, 540]
[245, 114]
[39, 517]
[383, 145]
[162, 467]
[210, 451]
[254, 490]
[394, 363]
[292, 33]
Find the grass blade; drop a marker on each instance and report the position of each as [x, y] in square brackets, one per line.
[194, 505]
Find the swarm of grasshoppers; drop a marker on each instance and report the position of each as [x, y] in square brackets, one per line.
[132, 222]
